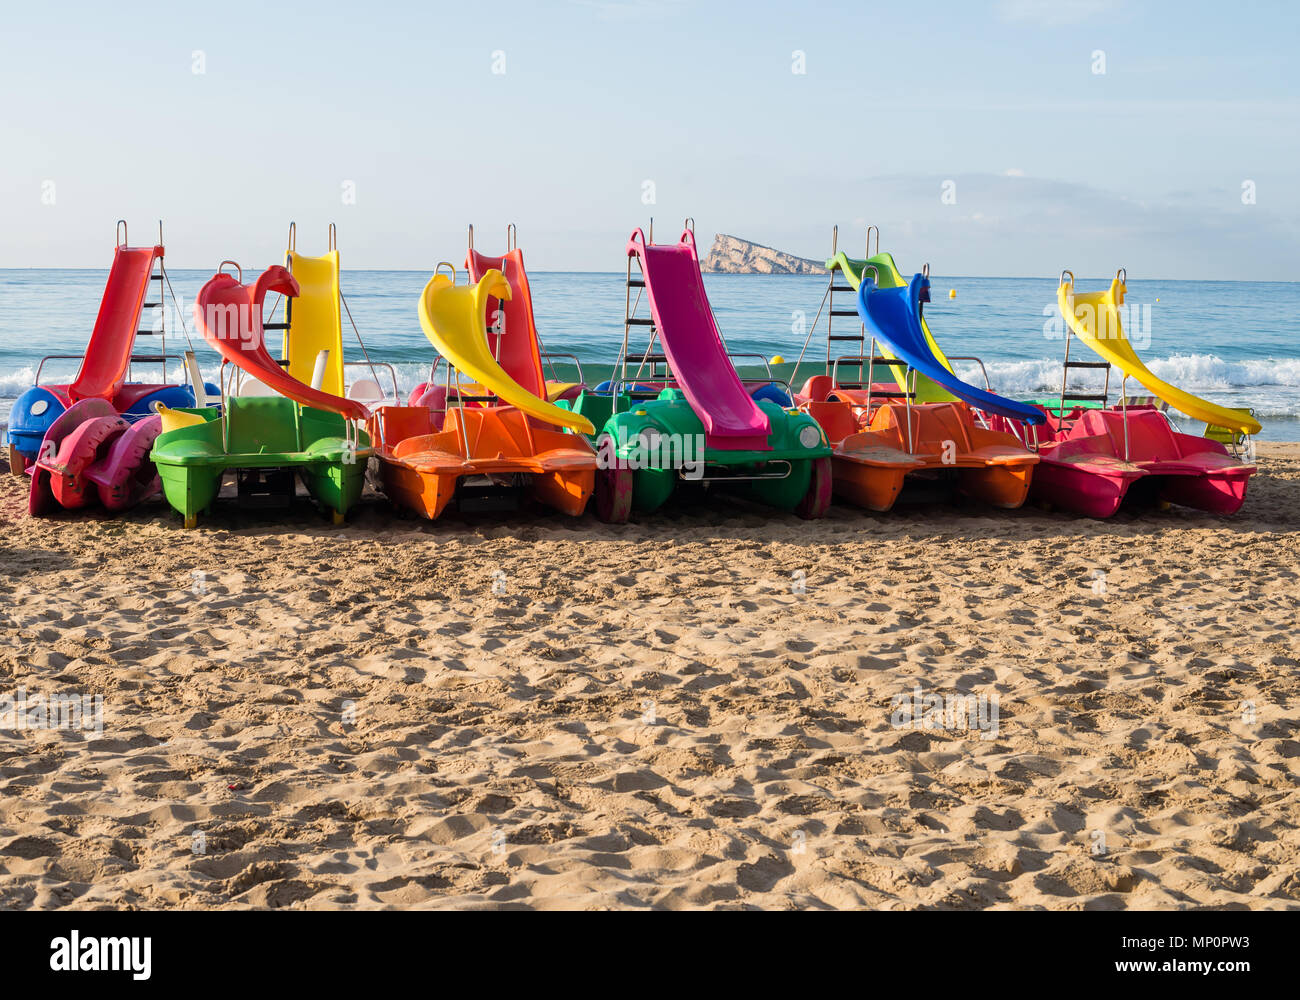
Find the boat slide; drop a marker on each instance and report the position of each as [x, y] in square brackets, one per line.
[689, 335]
[1094, 317]
[426, 454]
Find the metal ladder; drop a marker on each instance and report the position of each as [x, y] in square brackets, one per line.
[160, 357]
[658, 362]
[1103, 397]
[860, 338]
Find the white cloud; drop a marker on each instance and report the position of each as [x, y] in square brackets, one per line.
[1013, 172]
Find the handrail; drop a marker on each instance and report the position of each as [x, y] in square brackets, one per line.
[547, 356]
[392, 372]
[136, 359]
[121, 224]
[751, 354]
[970, 357]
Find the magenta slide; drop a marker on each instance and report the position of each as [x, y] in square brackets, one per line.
[689, 335]
[104, 366]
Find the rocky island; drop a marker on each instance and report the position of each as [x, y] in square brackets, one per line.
[732, 255]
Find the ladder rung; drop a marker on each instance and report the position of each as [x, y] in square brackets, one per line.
[144, 359]
[636, 283]
[893, 362]
[1074, 397]
[654, 359]
[842, 288]
[633, 321]
[146, 333]
[275, 326]
[150, 305]
[846, 336]
[844, 312]
[155, 277]
[891, 394]
[1086, 364]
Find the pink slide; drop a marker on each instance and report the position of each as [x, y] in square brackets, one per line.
[689, 335]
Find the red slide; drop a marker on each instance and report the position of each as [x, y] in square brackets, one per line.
[230, 316]
[518, 355]
[108, 355]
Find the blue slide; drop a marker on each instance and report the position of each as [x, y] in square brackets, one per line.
[893, 316]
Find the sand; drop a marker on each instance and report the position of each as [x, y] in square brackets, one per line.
[549, 713]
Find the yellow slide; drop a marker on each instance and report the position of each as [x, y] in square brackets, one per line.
[314, 321]
[1095, 319]
[454, 318]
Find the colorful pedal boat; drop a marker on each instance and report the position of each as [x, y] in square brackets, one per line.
[432, 452]
[90, 452]
[306, 431]
[1084, 469]
[991, 466]
[506, 437]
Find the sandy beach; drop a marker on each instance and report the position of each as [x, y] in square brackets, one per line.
[706, 708]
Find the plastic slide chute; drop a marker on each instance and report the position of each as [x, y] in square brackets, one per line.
[454, 318]
[690, 338]
[230, 318]
[887, 275]
[1095, 318]
[513, 335]
[108, 354]
[515, 328]
[893, 316]
[314, 318]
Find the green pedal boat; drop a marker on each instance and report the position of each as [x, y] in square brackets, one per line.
[686, 416]
[270, 425]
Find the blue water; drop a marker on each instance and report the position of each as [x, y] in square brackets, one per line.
[1236, 343]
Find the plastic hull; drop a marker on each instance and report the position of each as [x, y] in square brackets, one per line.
[424, 456]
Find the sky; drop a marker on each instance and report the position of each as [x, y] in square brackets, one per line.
[986, 137]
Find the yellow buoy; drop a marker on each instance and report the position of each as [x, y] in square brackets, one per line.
[952, 293]
[777, 359]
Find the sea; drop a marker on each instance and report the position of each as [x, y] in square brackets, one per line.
[1235, 343]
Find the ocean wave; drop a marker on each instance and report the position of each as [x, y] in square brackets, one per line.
[1193, 372]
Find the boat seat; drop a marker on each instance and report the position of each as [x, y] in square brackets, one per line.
[262, 424]
[249, 386]
[836, 419]
[366, 391]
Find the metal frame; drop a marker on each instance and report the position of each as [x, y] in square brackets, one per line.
[1067, 364]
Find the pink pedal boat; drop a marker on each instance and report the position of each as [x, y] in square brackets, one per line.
[1084, 468]
[1094, 459]
[91, 452]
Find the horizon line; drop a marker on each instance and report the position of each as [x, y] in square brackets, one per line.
[742, 274]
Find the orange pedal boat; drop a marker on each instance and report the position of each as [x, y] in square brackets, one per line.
[883, 437]
[482, 450]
